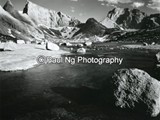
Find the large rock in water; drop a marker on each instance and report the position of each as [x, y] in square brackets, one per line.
[51, 46]
[158, 57]
[134, 87]
[49, 18]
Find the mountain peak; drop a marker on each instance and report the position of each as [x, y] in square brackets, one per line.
[90, 28]
[8, 3]
[47, 17]
[127, 18]
[91, 20]
[8, 6]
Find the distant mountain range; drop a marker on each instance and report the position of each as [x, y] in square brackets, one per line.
[133, 19]
[39, 23]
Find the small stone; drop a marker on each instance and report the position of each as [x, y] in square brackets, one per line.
[81, 50]
[88, 44]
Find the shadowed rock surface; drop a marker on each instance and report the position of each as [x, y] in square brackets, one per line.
[135, 88]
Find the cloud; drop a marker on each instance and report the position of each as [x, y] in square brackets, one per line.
[72, 9]
[112, 5]
[74, 0]
[115, 1]
[138, 4]
[154, 4]
[101, 0]
[80, 14]
[102, 4]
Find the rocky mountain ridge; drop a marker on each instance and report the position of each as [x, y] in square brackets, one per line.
[14, 27]
[93, 28]
[49, 18]
[35, 23]
[39, 23]
[133, 18]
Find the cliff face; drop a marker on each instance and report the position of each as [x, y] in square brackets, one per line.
[126, 18]
[48, 17]
[107, 22]
[16, 14]
[35, 23]
[10, 25]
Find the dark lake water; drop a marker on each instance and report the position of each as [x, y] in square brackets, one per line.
[78, 88]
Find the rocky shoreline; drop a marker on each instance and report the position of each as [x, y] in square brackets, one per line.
[149, 47]
[24, 57]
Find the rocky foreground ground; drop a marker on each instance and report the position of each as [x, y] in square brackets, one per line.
[134, 96]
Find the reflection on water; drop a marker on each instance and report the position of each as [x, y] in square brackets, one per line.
[46, 86]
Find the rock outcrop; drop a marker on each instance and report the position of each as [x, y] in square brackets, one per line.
[108, 23]
[151, 21]
[68, 32]
[127, 18]
[51, 46]
[134, 87]
[49, 18]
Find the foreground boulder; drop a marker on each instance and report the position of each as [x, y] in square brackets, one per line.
[51, 46]
[134, 87]
[158, 57]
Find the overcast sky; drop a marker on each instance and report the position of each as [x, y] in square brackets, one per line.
[84, 9]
